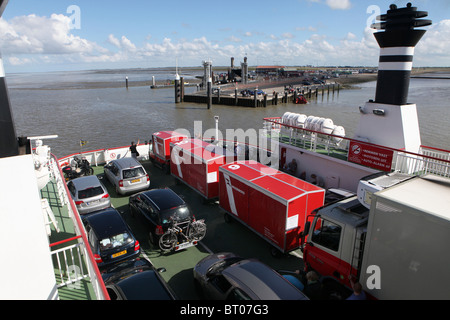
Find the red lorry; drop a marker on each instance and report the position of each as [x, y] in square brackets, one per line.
[271, 203]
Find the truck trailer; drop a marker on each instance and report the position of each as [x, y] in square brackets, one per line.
[269, 202]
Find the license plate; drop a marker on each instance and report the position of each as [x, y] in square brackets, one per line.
[135, 180]
[185, 245]
[118, 254]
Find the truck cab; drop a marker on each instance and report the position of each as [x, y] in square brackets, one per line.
[336, 239]
[337, 233]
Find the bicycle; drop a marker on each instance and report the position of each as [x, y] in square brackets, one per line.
[174, 236]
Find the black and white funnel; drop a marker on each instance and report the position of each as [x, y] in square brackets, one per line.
[390, 120]
[397, 44]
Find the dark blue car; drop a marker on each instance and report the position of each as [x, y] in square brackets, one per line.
[110, 237]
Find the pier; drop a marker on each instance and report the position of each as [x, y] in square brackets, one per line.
[267, 93]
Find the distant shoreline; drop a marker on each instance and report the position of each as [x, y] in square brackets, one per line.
[346, 81]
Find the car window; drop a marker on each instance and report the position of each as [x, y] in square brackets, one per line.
[113, 294]
[238, 294]
[71, 188]
[90, 192]
[217, 267]
[221, 283]
[147, 205]
[118, 240]
[180, 213]
[132, 173]
[91, 237]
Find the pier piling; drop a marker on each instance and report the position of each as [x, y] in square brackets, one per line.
[209, 92]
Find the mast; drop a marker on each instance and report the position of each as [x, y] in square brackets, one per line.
[8, 138]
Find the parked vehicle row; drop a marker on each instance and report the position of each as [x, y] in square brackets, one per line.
[126, 175]
[172, 226]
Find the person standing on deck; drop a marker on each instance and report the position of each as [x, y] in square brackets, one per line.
[134, 152]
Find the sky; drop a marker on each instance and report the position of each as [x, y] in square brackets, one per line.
[64, 35]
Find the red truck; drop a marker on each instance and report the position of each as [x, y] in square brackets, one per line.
[391, 236]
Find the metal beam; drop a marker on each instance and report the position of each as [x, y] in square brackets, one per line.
[8, 137]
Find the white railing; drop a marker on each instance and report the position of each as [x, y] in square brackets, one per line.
[428, 161]
[102, 156]
[69, 262]
[76, 262]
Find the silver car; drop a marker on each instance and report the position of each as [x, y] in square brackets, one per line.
[225, 276]
[89, 194]
[127, 175]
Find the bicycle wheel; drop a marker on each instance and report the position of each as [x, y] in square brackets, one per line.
[167, 241]
[197, 230]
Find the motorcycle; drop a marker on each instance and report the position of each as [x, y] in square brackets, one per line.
[78, 168]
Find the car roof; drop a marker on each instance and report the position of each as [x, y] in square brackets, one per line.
[86, 182]
[145, 285]
[106, 222]
[258, 279]
[164, 198]
[127, 162]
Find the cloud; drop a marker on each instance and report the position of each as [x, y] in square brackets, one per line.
[124, 43]
[33, 41]
[434, 48]
[335, 4]
[15, 61]
[287, 35]
[34, 34]
[234, 39]
[114, 41]
[339, 4]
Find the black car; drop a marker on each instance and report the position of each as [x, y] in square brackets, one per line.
[226, 276]
[110, 237]
[136, 279]
[159, 208]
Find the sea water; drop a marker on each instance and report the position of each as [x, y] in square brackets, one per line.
[42, 104]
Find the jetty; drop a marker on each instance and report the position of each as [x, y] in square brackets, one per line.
[258, 94]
